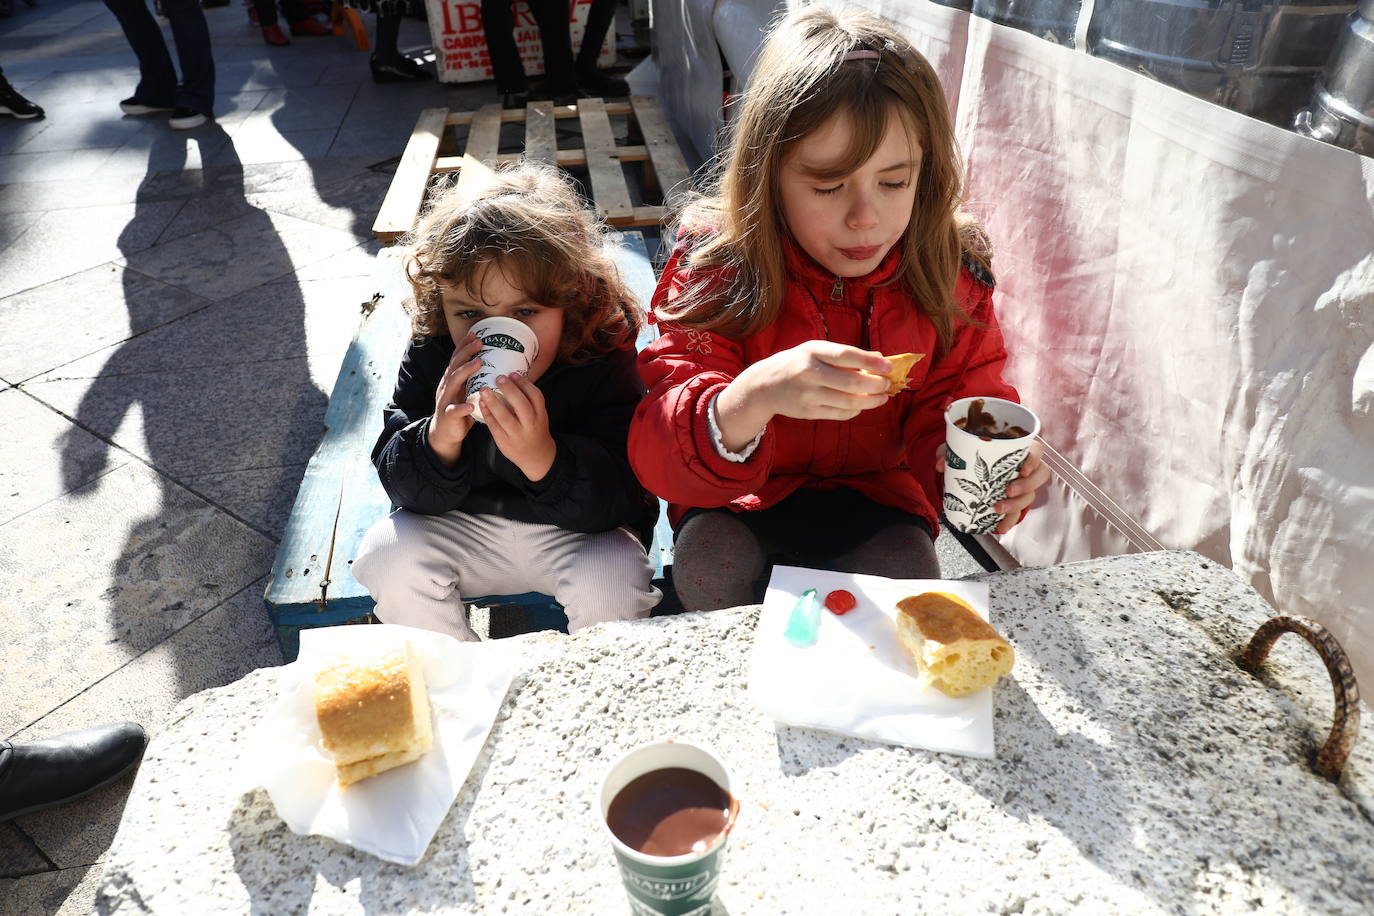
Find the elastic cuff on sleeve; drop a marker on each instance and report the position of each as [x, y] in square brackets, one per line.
[713, 424]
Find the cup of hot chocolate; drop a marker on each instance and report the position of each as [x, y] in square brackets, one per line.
[668, 809]
[986, 442]
[508, 347]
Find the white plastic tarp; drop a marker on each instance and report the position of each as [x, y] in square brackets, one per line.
[1188, 295]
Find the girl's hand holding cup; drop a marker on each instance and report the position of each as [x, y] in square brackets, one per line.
[452, 415]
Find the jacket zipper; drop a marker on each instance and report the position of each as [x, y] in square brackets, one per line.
[837, 291]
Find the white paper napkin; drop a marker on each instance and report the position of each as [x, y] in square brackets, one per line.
[857, 679]
[392, 816]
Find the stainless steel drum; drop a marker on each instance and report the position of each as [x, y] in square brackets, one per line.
[1342, 110]
[1053, 20]
[1259, 57]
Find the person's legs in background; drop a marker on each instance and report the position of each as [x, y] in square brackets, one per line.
[498, 23]
[560, 76]
[389, 65]
[298, 17]
[14, 104]
[157, 84]
[195, 96]
[589, 78]
[716, 561]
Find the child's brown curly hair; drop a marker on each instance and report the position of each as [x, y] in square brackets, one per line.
[528, 219]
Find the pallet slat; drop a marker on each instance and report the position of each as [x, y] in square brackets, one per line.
[406, 194]
[484, 142]
[664, 154]
[458, 118]
[541, 141]
[563, 157]
[610, 193]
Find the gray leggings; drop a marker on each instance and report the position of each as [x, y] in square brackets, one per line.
[720, 560]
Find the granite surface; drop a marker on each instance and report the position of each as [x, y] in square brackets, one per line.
[1138, 770]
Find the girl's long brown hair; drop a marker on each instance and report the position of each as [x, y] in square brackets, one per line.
[800, 82]
[529, 221]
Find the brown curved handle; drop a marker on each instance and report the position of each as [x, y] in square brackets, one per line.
[1331, 758]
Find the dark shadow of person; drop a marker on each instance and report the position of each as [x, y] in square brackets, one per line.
[230, 413]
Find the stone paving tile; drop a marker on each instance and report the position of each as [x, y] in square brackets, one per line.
[263, 497]
[104, 573]
[65, 242]
[36, 429]
[208, 409]
[239, 254]
[19, 855]
[98, 307]
[68, 165]
[43, 196]
[254, 145]
[304, 108]
[105, 85]
[16, 132]
[13, 225]
[89, 125]
[357, 264]
[219, 648]
[69, 892]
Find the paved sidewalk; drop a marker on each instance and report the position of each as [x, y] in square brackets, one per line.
[173, 310]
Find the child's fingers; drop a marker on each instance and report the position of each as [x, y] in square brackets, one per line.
[847, 357]
[516, 397]
[496, 411]
[848, 381]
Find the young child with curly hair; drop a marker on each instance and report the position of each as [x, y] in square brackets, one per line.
[540, 495]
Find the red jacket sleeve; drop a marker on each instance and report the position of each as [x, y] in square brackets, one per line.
[670, 442]
[973, 367]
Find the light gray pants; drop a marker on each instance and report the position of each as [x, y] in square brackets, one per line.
[419, 567]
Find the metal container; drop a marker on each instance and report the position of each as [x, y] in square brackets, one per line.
[1342, 109]
[1053, 20]
[1258, 57]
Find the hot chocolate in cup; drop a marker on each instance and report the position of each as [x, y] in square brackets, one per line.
[508, 347]
[986, 442]
[668, 810]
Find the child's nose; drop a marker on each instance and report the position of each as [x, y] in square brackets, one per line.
[862, 213]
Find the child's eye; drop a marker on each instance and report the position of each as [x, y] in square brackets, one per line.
[526, 312]
[824, 191]
[468, 314]
[895, 185]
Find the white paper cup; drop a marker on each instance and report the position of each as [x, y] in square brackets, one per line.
[668, 885]
[977, 469]
[508, 347]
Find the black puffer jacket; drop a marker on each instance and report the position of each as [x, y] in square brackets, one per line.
[590, 487]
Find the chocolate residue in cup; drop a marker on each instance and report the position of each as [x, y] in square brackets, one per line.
[671, 812]
[984, 425]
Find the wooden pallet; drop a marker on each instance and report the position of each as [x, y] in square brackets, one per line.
[434, 150]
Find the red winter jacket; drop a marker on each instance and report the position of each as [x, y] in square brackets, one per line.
[887, 453]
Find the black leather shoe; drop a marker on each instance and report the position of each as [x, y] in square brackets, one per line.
[43, 774]
[401, 70]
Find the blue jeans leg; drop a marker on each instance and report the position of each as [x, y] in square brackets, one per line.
[157, 82]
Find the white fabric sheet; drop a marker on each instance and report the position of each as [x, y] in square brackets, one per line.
[1188, 295]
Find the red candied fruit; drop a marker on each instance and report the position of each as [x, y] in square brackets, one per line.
[840, 601]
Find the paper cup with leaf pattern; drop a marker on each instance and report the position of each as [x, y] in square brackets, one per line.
[508, 347]
[980, 464]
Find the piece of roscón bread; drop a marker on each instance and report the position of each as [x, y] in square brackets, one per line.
[957, 651]
[901, 366]
[373, 712]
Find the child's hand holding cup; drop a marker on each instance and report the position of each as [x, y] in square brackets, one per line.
[508, 347]
[987, 440]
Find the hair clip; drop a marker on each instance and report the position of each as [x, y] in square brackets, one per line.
[863, 54]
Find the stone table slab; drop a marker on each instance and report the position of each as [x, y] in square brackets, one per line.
[1138, 770]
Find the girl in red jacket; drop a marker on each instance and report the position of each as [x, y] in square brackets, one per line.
[834, 238]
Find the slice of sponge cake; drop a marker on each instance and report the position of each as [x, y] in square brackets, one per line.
[957, 651]
[373, 712]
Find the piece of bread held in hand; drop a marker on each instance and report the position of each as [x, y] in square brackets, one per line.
[957, 651]
[901, 367]
[373, 712]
